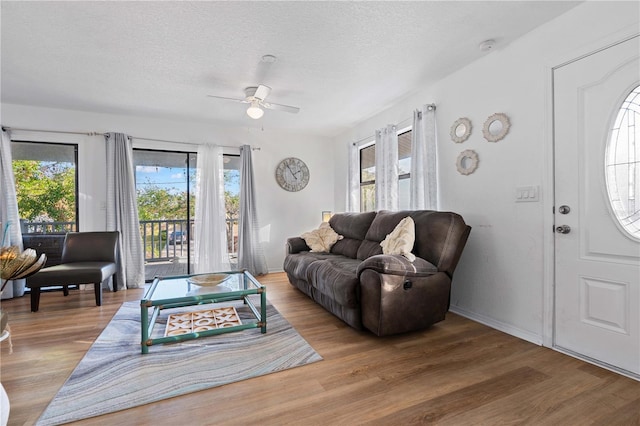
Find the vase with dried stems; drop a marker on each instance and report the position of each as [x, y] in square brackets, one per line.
[15, 265]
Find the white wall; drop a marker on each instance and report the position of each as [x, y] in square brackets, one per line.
[282, 214]
[501, 277]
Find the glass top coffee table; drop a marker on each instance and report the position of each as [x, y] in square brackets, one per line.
[201, 289]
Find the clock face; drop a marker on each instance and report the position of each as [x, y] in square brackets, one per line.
[292, 174]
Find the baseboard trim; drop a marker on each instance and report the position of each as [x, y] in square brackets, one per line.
[498, 325]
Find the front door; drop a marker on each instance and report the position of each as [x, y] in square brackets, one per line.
[597, 207]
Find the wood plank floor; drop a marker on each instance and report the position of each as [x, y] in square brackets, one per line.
[456, 373]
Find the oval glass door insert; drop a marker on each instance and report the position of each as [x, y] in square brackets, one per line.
[622, 165]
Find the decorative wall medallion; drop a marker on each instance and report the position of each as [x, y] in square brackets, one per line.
[460, 130]
[496, 127]
[467, 162]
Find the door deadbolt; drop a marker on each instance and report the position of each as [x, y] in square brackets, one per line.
[563, 229]
[564, 209]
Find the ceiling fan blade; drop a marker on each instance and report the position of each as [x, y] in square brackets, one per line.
[262, 92]
[244, 101]
[278, 107]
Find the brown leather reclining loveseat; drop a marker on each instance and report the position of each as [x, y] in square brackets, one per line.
[387, 294]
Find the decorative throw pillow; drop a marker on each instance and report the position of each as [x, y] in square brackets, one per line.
[401, 239]
[321, 239]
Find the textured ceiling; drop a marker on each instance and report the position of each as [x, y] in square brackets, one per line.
[340, 62]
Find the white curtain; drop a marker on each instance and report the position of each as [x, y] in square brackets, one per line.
[423, 188]
[250, 254]
[353, 191]
[210, 253]
[122, 210]
[387, 168]
[9, 211]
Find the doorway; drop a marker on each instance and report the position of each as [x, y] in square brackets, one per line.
[166, 193]
[596, 102]
[165, 187]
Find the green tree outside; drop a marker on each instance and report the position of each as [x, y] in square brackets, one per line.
[232, 206]
[45, 190]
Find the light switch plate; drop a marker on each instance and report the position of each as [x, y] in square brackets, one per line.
[527, 194]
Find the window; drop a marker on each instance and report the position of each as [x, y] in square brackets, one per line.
[368, 178]
[368, 174]
[404, 170]
[622, 165]
[46, 176]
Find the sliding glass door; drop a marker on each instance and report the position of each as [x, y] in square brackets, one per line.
[166, 188]
[165, 184]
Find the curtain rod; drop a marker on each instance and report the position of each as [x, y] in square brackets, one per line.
[430, 107]
[53, 131]
[106, 134]
[187, 143]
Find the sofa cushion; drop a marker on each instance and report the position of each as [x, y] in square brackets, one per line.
[336, 278]
[347, 247]
[369, 248]
[401, 239]
[383, 224]
[320, 240]
[353, 227]
[81, 273]
[296, 264]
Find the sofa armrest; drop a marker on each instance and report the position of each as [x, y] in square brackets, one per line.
[296, 245]
[395, 264]
[392, 304]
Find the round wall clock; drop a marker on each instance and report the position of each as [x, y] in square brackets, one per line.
[292, 174]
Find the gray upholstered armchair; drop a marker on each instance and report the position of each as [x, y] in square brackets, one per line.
[87, 258]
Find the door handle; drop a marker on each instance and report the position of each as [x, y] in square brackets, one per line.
[563, 229]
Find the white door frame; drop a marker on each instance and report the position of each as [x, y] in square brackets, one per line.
[548, 196]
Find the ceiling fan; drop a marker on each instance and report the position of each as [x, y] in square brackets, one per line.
[255, 96]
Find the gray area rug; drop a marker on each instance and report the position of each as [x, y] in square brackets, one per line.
[114, 375]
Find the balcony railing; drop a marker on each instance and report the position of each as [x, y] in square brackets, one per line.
[46, 227]
[162, 239]
[165, 239]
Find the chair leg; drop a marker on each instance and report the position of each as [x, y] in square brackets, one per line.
[65, 290]
[97, 287]
[35, 298]
[115, 282]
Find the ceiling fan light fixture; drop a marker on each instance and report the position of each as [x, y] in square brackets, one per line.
[254, 111]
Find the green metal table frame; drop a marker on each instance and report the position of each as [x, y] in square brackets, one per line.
[150, 309]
